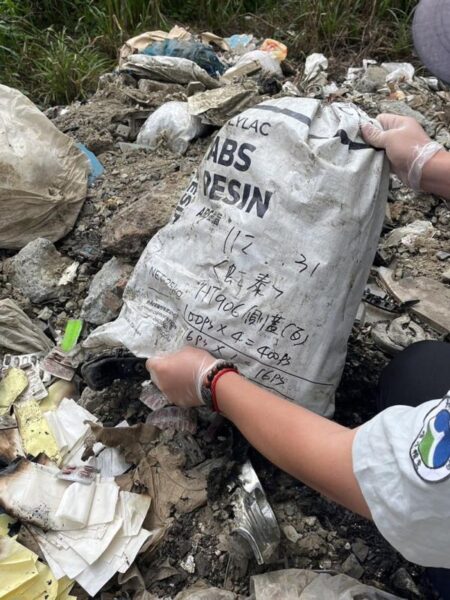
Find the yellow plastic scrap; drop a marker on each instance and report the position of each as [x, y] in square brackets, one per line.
[34, 430]
[17, 567]
[56, 392]
[5, 522]
[13, 384]
[23, 576]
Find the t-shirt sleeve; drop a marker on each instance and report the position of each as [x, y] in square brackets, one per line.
[401, 460]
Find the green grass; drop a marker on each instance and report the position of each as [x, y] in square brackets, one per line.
[54, 50]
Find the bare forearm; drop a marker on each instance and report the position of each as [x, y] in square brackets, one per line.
[436, 175]
[309, 447]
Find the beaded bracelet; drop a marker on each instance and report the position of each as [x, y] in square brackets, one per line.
[214, 375]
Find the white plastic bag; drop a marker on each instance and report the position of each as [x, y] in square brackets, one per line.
[268, 63]
[43, 175]
[268, 252]
[173, 124]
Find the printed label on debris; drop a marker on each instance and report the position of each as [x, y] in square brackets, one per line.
[266, 257]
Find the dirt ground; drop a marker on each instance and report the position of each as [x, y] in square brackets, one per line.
[316, 534]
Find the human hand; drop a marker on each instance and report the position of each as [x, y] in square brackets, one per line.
[407, 146]
[180, 375]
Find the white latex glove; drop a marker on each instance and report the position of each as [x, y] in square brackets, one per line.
[180, 375]
[407, 146]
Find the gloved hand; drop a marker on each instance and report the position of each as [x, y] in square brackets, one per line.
[407, 146]
[180, 375]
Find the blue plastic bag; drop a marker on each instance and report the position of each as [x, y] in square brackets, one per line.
[203, 56]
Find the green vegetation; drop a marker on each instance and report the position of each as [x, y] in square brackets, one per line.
[54, 50]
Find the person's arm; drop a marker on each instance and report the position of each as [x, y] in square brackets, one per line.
[436, 175]
[420, 163]
[311, 448]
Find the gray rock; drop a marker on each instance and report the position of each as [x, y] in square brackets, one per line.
[291, 533]
[360, 550]
[131, 228]
[372, 80]
[312, 546]
[446, 276]
[104, 299]
[37, 269]
[352, 568]
[398, 107]
[404, 584]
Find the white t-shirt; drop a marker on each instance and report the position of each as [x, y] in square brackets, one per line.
[401, 459]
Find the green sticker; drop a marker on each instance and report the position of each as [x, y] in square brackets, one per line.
[71, 334]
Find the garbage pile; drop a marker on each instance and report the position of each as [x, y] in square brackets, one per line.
[105, 490]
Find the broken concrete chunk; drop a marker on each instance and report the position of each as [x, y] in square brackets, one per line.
[40, 272]
[397, 335]
[434, 305]
[131, 228]
[352, 567]
[398, 107]
[373, 79]
[410, 235]
[13, 384]
[104, 299]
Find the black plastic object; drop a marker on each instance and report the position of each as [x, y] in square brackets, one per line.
[101, 372]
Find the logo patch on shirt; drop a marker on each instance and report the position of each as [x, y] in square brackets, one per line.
[430, 452]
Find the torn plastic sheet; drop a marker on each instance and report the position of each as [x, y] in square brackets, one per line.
[11, 387]
[139, 42]
[174, 417]
[315, 63]
[398, 72]
[303, 584]
[169, 69]
[23, 576]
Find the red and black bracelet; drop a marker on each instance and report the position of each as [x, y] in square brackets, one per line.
[213, 377]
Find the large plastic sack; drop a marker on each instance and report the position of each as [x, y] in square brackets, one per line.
[203, 56]
[43, 175]
[173, 124]
[169, 69]
[303, 584]
[268, 252]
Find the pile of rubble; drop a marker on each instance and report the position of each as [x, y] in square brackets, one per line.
[102, 486]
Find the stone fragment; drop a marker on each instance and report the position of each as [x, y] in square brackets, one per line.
[131, 228]
[360, 550]
[404, 584]
[104, 299]
[446, 276]
[352, 567]
[37, 271]
[291, 533]
[372, 80]
[312, 546]
[398, 107]
[433, 296]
